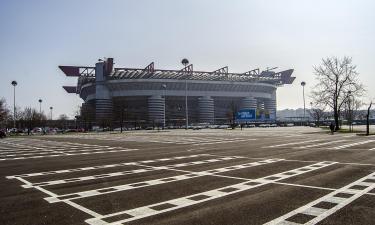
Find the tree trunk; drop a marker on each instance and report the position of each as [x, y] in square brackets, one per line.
[368, 120]
[336, 116]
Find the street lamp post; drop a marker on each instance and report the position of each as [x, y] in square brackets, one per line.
[185, 62]
[14, 83]
[122, 118]
[40, 106]
[303, 83]
[312, 113]
[350, 113]
[51, 108]
[164, 86]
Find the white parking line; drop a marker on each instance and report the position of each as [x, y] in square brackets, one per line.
[222, 142]
[160, 138]
[150, 210]
[321, 144]
[127, 172]
[189, 175]
[22, 148]
[325, 206]
[103, 166]
[353, 144]
[69, 154]
[293, 143]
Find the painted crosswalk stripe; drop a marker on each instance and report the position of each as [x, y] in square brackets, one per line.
[325, 206]
[161, 207]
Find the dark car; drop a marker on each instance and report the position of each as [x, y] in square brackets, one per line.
[2, 134]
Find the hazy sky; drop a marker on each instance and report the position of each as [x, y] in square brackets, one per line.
[37, 36]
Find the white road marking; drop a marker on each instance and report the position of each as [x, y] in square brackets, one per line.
[182, 202]
[103, 166]
[321, 144]
[293, 143]
[160, 138]
[22, 148]
[222, 142]
[353, 144]
[189, 175]
[127, 172]
[337, 200]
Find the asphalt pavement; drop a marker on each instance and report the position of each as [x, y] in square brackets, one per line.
[292, 175]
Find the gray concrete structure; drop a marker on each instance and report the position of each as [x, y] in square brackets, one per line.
[212, 96]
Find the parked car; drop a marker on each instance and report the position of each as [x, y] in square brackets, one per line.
[250, 125]
[37, 130]
[197, 127]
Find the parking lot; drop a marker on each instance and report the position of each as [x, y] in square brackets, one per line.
[290, 175]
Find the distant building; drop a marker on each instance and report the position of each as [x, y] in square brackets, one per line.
[148, 95]
[292, 114]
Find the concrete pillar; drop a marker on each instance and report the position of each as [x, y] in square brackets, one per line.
[156, 109]
[206, 109]
[248, 103]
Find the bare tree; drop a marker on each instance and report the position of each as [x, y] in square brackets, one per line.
[351, 110]
[32, 118]
[4, 112]
[336, 79]
[317, 112]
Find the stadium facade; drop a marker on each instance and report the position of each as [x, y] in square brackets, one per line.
[152, 95]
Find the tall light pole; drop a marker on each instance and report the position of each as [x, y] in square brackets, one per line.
[311, 111]
[51, 108]
[303, 83]
[185, 62]
[164, 86]
[14, 83]
[350, 113]
[40, 106]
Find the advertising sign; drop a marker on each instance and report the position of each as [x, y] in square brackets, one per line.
[246, 115]
[262, 114]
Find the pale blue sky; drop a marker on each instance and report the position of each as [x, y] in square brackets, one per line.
[37, 36]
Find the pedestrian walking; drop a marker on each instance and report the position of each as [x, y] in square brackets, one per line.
[332, 128]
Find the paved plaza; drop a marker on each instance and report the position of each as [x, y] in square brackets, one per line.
[290, 176]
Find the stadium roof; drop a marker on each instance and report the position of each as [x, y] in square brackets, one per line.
[87, 74]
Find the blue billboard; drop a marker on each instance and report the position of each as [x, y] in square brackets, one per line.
[246, 115]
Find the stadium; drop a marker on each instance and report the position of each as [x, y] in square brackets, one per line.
[152, 96]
